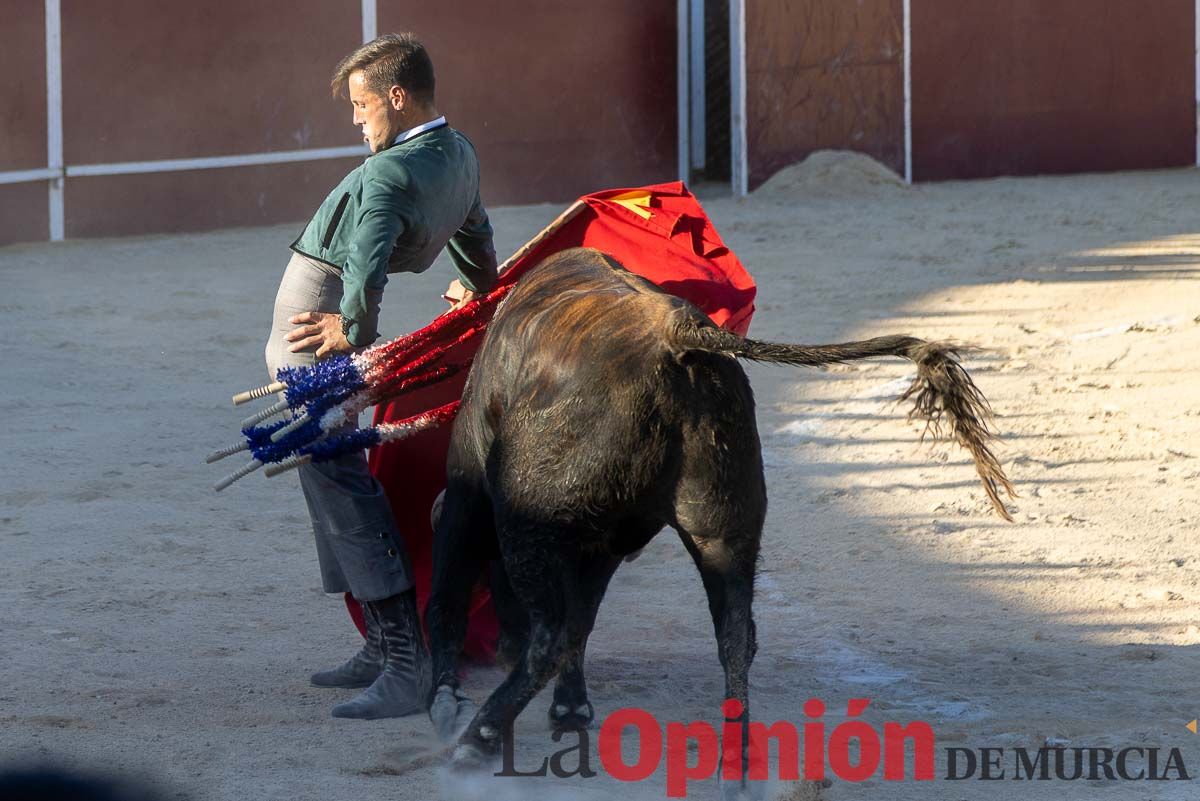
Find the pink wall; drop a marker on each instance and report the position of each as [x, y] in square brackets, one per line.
[559, 98]
[565, 98]
[1028, 86]
[591, 105]
[24, 212]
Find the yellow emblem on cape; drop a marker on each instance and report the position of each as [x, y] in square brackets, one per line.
[637, 201]
[1191, 727]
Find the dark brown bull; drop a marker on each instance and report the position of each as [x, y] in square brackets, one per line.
[600, 410]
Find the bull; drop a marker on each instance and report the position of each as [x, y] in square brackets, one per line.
[599, 411]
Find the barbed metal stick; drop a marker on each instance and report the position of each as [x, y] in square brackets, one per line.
[221, 453]
[240, 473]
[261, 392]
[290, 463]
[271, 411]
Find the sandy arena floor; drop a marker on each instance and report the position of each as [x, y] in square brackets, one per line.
[150, 625]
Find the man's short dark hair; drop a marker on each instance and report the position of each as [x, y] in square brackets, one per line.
[394, 59]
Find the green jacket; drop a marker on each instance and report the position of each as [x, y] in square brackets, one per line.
[394, 213]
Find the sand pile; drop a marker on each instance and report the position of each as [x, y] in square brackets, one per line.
[830, 173]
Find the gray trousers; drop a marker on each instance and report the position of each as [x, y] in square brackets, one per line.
[359, 548]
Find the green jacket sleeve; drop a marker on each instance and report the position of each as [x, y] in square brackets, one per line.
[379, 222]
[472, 251]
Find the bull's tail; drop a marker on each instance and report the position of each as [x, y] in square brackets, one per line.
[943, 394]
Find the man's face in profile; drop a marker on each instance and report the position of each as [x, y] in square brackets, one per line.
[378, 117]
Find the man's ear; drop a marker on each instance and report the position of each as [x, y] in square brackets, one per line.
[397, 98]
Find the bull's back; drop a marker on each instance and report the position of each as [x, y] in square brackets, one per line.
[581, 299]
[573, 320]
[572, 380]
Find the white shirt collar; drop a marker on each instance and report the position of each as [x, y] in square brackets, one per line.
[420, 129]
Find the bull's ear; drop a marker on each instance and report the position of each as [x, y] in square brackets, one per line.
[435, 511]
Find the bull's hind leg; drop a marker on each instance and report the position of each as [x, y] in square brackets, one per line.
[538, 581]
[560, 601]
[463, 540]
[727, 570]
[571, 708]
[513, 618]
[720, 506]
[722, 533]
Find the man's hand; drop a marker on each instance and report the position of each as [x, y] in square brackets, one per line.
[318, 330]
[458, 295]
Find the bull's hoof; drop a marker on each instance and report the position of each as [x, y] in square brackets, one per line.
[451, 713]
[564, 717]
[744, 790]
[469, 758]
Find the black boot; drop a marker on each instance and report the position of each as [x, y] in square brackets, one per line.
[403, 686]
[362, 668]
